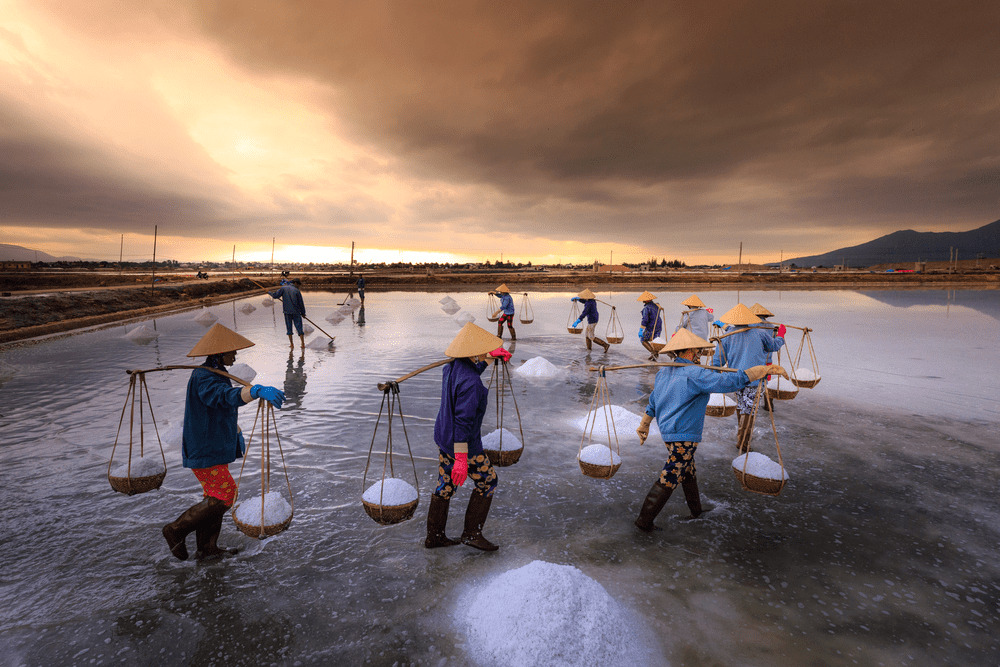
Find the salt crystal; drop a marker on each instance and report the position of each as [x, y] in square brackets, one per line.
[276, 510]
[539, 367]
[319, 343]
[778, 383]
[390, 492]
[142, 335]
[141, 466]
[267, 301]
[805, 374]
[759, 465]
[721, 400]
[247, 308]
[243, 372]
[625, 423]
[205, 317]
[599, 455]
[491, 441]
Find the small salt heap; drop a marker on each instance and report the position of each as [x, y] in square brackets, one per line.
[390, 492]
[805, 375]
[625, 423]
[319, 343]
[205, 317]
[720, 401]
[759, 465]
[247, 308]
[243, 372]
[599, 455]
[451, 308]
[778, 383]
[465, 317]
[306, 329]
[276, 510]
[267, 301]
[142, 335]
[446, 300]
[335, 317]
[539, 367]
[353, 303]
[491, 441]
[141, 466]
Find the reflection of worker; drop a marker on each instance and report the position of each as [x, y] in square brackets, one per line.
[456, 432]
[361, 316]
[651, 325]
[293, 307]
[212, 440]
[589, 301]
[680, 395]
[697, 318]
[295, 380]
[744, 347]
[507, 310]
[361, 287]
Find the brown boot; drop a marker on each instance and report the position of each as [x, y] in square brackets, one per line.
[513, 334]
[744, 433]
[475, 517]
[588, 344]
[651, 506]
[176, 532]
[693, 498]
[437, 517]
[207, 533]
[603, 344]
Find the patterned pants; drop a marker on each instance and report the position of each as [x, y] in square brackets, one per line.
[217, 483]
[680, 464]
[744, 399]
[480, 472]
[504, 317]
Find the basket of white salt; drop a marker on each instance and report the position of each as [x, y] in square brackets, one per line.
[599, 461]
[720, 405]
[759, 474]
[778, 388]
[390, 501]
[658, 343]
[805, 378]
[492, 306]
[574, 315]
[139, 474]
[502, 447]
[263, 516]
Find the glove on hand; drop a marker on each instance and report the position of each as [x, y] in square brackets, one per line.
[461, 469]
[577, 323]
[641, 333]
[643, 429]
[575, 298]
[781, 330]
[501, 353]
[272, 395]
[757, 372]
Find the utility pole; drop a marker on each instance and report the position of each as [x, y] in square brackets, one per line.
[781, 259]
[232, 269]
[352, 258]
[739, 264]
[152, 279]
[121, 250]
[272, 256]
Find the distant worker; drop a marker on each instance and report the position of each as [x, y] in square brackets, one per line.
[293, 307]
[589, 301]
[651, 325]
[697, 319]
[212, 440]
[506, 311]
[361, 287]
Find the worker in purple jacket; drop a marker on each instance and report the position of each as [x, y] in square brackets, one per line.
[457, 434]
[652, 324]
[589, 301]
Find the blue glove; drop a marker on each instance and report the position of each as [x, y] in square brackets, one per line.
[575, 298]
[242, 442]
[272, 395]
[577, 323]
[642, 331]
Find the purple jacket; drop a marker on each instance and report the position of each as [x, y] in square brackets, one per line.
[463, 406]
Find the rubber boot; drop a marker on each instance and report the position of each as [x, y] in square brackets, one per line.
[475, 517]
[513, 334]
[603, 344]
[207, 533]
[655, 500]
[437, 517]
[175, 533]
[588, 345]
[693, 498]
[744, 433]
[499, 331]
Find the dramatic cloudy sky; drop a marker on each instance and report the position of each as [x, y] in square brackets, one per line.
[546, 131]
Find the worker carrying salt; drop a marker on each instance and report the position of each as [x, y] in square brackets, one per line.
[651, 325]
[212, 440]
[293, 307]
[506, 311]
[697, 318]
[677, 402]
[744, 347]
[589, 301]
[457, 434]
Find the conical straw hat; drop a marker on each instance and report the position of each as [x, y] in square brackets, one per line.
[739, 315]
[760, 311]
[586, 294]
[472, 341]
[218, 340]
[693, 302]
[645, 296]
[502, 288]
[685, 340]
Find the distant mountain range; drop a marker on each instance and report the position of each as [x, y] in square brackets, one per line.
[910, 246]
[16, 253]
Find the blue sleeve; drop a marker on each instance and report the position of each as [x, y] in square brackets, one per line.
[276, 294]
[709, 382]
[773, 343]
[216, 392]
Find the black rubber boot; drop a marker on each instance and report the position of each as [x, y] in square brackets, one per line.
[655, 500]
[207, 533]
[603, 344]
[513, 334]
[437, 517]
[693, 498]
[176, 532]
[475, 517]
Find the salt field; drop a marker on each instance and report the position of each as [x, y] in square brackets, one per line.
[880, 550]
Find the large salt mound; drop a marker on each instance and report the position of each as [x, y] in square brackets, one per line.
[394, 491]
[760, 465]
[805, 375]
[144, 466]
[550, 615]
[243, 372]
[142, 335]
[778, 383]
[599, 455]
[720, 400]
[276, 510]
[491, 441]
[205, 317]
[539, 367]
[625, 424]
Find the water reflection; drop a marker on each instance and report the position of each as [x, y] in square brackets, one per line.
[295, 380]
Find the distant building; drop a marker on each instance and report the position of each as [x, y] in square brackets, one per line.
[608, 268]
[14, 266]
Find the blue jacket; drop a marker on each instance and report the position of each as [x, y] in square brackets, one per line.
[463, 406]
[210, 430]
[291, 299]
[506, 305]
[651, 314]
[697, 322]
[750, 348]
[680, 395]
[590, 311]
[361, 283]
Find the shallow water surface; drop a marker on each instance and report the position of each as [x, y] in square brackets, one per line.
[881, 549]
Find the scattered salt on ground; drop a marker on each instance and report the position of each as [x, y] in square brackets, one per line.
[335, 317]
[547, 614]
[142, 335]
[276, 510]
[491, 441]
[451, 308]
[394, 491]
[778, 383]
[539, 367]
[625, 423]
[353, 303]
[760, 465]
[599, 455]
[319, 343]
[243, 372]
[142, 466]
[247, 308]
[205, 317]
[446, 300]
[346, 309]
[720, 400]
[805, 374]
[267, 301]
[464, 317]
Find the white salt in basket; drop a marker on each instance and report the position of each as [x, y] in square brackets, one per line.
[720, 405]
[781, 389]
[260, 518]
[759, 474]
[139, 476]
[805, 378]
[505, 453]
[390, 501]
[599, 461]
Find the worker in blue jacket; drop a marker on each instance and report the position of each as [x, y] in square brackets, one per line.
[505, 311]
[293, 307]
[677, 402]
[212, 440]
[742, 347]
[457, 434]
[361, 287]
[697, 318]
[589, 301]
[651, 325]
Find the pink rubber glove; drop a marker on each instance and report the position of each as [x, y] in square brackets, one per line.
[710, 310]
[781, 331]
[501, 353]
[460, 470]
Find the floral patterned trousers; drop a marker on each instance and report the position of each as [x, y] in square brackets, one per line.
[680, 464]
[480, 472]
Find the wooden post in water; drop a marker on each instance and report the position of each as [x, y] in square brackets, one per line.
[121, 251]
[152, 278]
[272, 257]
[232, 267]
[739, 264]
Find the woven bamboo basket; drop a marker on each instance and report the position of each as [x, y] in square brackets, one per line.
[615, 339]
[526, 320]
[493, 319]
[806, 384]
[657, 346]
[574, 330]
[504, 458]
[133, 485]
[726, 410]
[761, 485]
[260, 532]
[782, 394]
[598, 471]
[390, 514]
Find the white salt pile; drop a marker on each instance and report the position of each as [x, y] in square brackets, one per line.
[720, 400]
[446, 300]
[805, 374]
[335, 317]
[142, 335]
[247, 308]
[306, 329]
[390, 492]
[276, 510]
[539, 367]
[451, 308]
[243, 372]
[761, 466]
[142, 466]
[491, 441]
[345, 310]
[778, 383]
[267, 301]
[599, 455]
[548, 614]
[353, 303]
[465, 317]
[319, 343]
[625, 423]
[205, 317]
